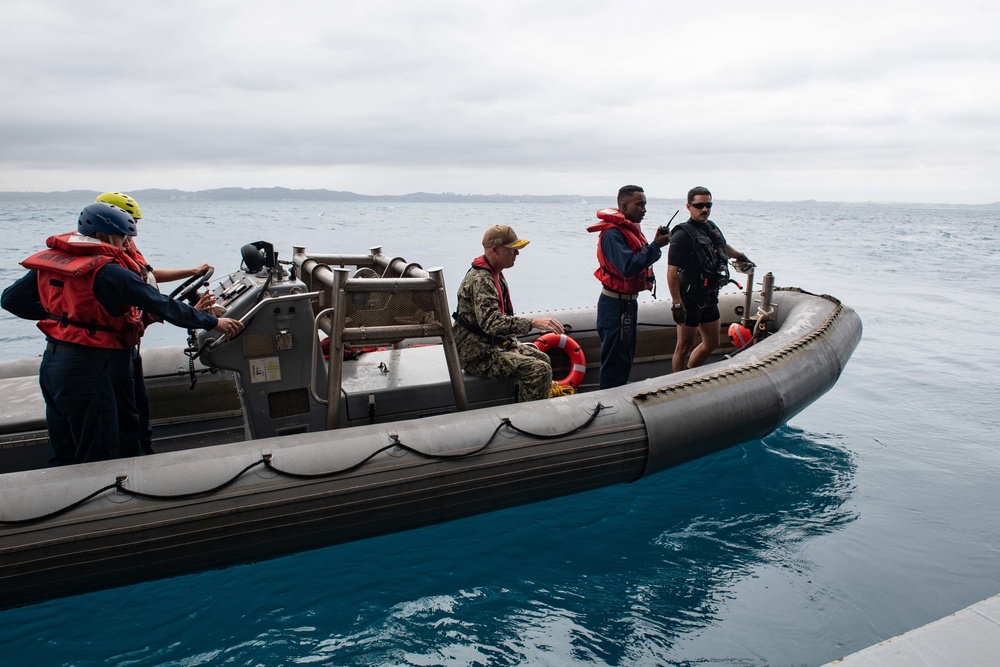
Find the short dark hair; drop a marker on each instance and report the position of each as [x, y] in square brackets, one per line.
[697, 190]
[627, 191]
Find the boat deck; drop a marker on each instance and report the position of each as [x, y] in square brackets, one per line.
[970, 637]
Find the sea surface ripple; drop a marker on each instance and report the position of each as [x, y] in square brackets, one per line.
[871, 513]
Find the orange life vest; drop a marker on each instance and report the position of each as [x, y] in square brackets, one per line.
[66, 273]
[609, 276]
[145, 272]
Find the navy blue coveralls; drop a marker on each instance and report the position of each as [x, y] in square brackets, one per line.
[89, 392]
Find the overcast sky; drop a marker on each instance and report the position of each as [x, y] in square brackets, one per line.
[770, 100]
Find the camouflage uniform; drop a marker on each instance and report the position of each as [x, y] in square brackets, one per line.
[480, 304]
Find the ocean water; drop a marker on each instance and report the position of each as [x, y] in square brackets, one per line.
[872, 512]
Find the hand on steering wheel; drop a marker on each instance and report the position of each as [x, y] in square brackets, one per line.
[189, 288]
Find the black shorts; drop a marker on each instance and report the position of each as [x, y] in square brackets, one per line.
[696, 315]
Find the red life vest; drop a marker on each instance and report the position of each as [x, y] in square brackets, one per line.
[145, 272]
[66, 288]
[609, 276]
[499, 281]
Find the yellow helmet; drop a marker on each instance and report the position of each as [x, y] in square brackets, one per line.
[122, 201]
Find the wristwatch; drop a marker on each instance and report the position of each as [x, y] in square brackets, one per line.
[676, 306]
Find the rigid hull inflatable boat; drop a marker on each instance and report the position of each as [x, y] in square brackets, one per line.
[255, 462]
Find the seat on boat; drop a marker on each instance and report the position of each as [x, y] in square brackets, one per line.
[410, 383]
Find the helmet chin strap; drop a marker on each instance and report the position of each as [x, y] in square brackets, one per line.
[117, 240]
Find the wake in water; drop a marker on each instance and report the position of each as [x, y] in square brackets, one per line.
[610, 577]
[873, 513]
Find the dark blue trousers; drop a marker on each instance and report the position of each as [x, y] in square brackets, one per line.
[80, 408]
[142, 404]
[130, 432]
[616, 325]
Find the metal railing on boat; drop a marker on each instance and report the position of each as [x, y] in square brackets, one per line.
[380, 301]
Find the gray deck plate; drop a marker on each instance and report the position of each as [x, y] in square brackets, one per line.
[967, 638]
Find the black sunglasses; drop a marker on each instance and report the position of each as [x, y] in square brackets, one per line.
[701, 205]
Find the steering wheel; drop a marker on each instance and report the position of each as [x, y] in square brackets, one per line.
[190, 287]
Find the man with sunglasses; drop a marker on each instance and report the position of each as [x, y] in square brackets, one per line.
[697, 268]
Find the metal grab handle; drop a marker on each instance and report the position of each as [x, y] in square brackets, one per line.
[749, 299]
[312, 379]
[249, 315]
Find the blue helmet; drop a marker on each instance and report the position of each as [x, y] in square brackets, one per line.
[103, 217]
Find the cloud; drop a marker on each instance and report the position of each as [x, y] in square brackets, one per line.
[537, 95]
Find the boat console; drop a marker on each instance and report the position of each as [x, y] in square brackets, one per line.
[280, 379]
[283, 378]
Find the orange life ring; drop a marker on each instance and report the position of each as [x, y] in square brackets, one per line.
[578, 362]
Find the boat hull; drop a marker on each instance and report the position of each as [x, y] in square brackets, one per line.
[394, 476]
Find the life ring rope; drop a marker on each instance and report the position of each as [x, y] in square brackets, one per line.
[578, 362]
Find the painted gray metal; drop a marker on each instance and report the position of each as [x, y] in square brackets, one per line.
[969, 637]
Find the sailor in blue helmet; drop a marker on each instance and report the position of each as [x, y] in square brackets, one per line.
[155, 277]
[88, 298]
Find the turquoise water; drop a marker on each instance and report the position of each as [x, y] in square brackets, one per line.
[870, 513]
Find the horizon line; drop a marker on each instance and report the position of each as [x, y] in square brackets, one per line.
[173, 192]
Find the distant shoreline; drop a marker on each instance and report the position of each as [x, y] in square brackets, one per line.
[288, 194]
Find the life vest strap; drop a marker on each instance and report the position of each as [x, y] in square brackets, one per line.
[92, 327]
[500, 341]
